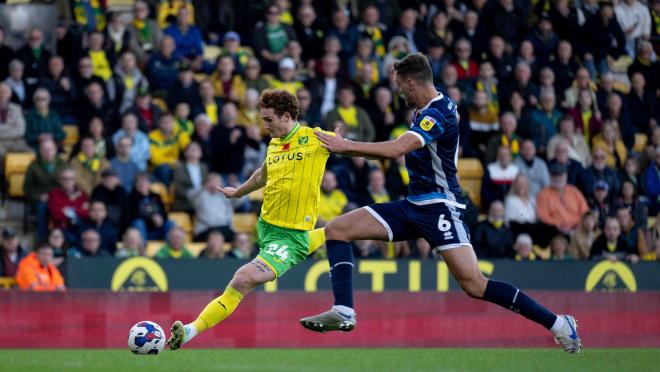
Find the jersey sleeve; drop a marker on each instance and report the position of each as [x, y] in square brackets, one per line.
[428, 126]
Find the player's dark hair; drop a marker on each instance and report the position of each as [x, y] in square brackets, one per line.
[280, 101]
[414, 66]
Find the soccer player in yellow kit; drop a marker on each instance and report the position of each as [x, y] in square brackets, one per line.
[292, 173]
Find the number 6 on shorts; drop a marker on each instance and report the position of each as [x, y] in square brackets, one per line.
[443, 225]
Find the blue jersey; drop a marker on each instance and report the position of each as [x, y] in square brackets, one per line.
[432, 168]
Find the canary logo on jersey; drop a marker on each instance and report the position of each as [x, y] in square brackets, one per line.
[274, 159]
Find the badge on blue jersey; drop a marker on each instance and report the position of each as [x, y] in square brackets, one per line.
[427, 123]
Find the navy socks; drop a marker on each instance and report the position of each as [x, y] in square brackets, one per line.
[510, 297]
[340, 255]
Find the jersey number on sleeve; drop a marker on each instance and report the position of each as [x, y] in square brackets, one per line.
[275, 250]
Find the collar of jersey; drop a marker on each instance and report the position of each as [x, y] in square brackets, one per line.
[291, 133]
[439, 96]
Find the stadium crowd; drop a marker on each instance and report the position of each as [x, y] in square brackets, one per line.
[557, 99]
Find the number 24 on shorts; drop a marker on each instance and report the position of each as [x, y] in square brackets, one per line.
[280, 252]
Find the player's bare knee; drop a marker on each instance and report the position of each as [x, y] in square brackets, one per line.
[333, 232]
[474, 286]
[243, 282]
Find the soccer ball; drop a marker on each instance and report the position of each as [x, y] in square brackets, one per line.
[146, 338]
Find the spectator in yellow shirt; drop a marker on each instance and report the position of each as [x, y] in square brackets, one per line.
[287, 68]
[333, 200]
[228, 85]
[165, 145]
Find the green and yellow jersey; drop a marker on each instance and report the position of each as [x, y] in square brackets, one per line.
[295, 166]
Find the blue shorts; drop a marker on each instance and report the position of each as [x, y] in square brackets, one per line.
[440, 224]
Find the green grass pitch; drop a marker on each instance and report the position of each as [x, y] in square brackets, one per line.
[361, 360]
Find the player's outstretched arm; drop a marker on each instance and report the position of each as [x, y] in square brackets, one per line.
[256, 181]
[388, 149]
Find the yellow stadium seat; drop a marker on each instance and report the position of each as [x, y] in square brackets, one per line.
[183, 221]
[152, 247]
[72, 135]
[163, 192]
[196, 248]
[471, 173]
[7, 282]
[161, 104]
[16, 165]
[244, 222]
[640, 142]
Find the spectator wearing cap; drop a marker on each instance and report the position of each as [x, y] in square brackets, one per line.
[612, 245]
[146, 212]
[113, 196]
[286, 81]
[577, 147]
[40, 179]
[187, 38]
[492, 238]
[185, 89]
[498, 177]
[544, 39]
[42, 122]
[12, 126]
[67, 204]
[271, 38]
[36, 272]
[174, 247]
[560, 205]
[208, 103]
[88, 166]
[599, 202]
[98, 221]
[144, 31]
[523, 248]
[162, 68]
[231, 45]
[600, 171]
[166, 144]
[188, 174]
[11, 252]
[358, 123]
[533, 167]
[575, 171]
[227, 84]
[139, 150]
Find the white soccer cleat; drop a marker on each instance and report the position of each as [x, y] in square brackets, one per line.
[331, 320]
[568, 337]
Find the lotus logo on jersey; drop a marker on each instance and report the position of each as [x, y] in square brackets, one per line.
[286, 146]
[427, 123]
[303, 140]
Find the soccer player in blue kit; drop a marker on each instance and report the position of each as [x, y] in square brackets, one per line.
[433, 210]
